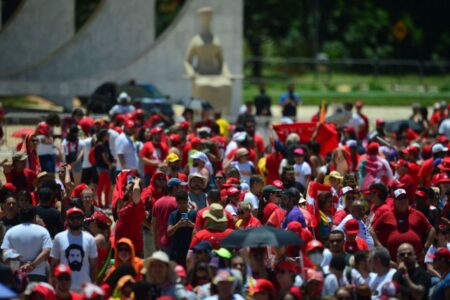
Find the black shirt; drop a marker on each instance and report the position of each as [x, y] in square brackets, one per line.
[262, 105]
[8, 223]
[52, 219]
[99, 150]
[418, 276]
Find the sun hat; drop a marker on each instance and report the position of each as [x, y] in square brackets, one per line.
[215, 213]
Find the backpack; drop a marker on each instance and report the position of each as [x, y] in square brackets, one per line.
[91, 157]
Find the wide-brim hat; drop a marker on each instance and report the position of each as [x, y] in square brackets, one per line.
[216, 213]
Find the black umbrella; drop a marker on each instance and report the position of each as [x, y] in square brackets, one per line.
[395, 125]
[260, 237]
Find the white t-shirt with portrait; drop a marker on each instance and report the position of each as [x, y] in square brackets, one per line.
[75, 251]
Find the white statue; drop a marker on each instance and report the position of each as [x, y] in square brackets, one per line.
[205, 66]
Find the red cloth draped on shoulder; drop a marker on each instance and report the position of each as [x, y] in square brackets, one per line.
[121, 182]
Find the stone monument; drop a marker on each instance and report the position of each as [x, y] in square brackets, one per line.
[204, 65]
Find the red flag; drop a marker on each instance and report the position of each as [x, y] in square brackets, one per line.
[312, 197]
[327, 135]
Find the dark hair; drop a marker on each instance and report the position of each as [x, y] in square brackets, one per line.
[27, 214]
[121, 270]
[142, 290]
[101, 135]
[53, 119]
[382, 254]
[192, 277]
[25, 194]
[4, 194]
[324, 198]
[215, 128]
[335, 231]
[360, 256]
[214, 196]
[382, 190]
[72, 135]
[255, 178]
[338, 262]
[45, 195]
[181, 195]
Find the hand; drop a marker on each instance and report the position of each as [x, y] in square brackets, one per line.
[402, 267]
[27, 267]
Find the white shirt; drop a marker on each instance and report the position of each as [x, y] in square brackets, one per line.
[301, 172]
[86, 146]
[245, 169]
[75, 251]
[251, 198]
[43, 148]
[376, 282]
[29, 240]
[356, 121]
[363, 231]
[126, 146]
[444, 128]
[121, 109]
[113, 135]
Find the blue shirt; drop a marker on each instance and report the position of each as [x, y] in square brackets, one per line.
[285, 96]
[294, 214]
[439, 291]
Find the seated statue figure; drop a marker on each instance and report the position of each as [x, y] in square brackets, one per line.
[205, 66]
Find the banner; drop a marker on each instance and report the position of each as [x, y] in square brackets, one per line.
[327, 135]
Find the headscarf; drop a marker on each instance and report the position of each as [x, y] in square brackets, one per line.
[121, 183]
[135, 261]
[151, 190]
[33, 162]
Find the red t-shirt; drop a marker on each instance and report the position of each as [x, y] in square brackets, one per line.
[152, 151]
[277, 217]
[378, 210]
[414, 170]
[410, 187]
[200, 221]
[358, 244]
[163, 207]
[214, 237]
[259, 143]
[268, 210]
[273, 161]
[251, 223]
[394, 228]
[129, 223]
[339, 216]
[425, 172]
[365, 128]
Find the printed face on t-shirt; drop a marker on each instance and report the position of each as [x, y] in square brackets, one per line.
[74, 255]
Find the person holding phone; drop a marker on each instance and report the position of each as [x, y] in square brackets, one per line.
[180, 226]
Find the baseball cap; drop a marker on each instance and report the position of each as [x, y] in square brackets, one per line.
[129, 124]
[232, 191]
[199, 155]
[336, 174]
[299, 151]
[314, 245]
[100, 217]
[373, 148]
[445, 164]
[442, 252]
[399, 192]
[202, 246]
[172, 157]
[241, 152]
[62, 269]
[347, 189]
[270, 189]
[175, 181]
[352, 226]
[278, 184]
[240, 136]
[352, 143]
[181, 272]
[156, 130]
[43, 128]
[10, 254]
[438, 148]
[263, 286]
[420, 194]
[74, 210]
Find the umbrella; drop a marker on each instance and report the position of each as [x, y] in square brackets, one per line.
[20, 133]
[260, 237]
[6, 293]
[195, 103]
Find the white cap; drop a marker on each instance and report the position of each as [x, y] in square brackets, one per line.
[10, 254]
[346, 189]
[438, 148]
[239, 136]
[200, 155]
[351, 143]
[123, 95]
[399, 192]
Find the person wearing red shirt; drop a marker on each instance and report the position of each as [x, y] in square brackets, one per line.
[376, 195]
[401, 225]
[348, 196]
[131, 215]
[303, 233]
[246, 219]
[62, 282]
[153, 153]
[403, 170]
[161, 211]
[17, 173]
[364, 129]
[438, 151]
[269, 202]
[273, 161]
[250, 126]
[212, 197]
[216, 227]
[353, 243]
[155, 190]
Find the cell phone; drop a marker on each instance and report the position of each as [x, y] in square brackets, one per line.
[184, 216]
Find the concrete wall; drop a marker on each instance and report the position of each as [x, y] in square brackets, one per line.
[160, 63]
[26, 38]
[118, 32]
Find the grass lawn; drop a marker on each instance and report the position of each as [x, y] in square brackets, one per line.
[16, 101]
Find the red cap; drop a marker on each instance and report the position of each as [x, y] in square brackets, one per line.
[295, 227]
[402, 163]
[420, 194]
[232, 180]
[181, 272]
[155, 119]
[413, 150]
[175, 138]
[313, 245]
[426, 150]
[74, 210]
[76, 192]
[10, 187]
[120, 118]
[445, 164]
[379, 122]
[352, 226]
[349, 129]
[299, 151]
[156, 130]
[129, 124]
[232, 191]
[395, 184]
[442, 253]
[288, 266]
[278, 184]
[62, 269]
[100, 216]
[43, 128]
[184, 125]
[439, 178]
[296, 292]
[263, 286]
[373, 148]
[86, 123]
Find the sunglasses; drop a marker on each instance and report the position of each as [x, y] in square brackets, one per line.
[64, 278]
[336, 241]
[405, 254]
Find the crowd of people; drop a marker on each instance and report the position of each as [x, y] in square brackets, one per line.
[136, 206]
